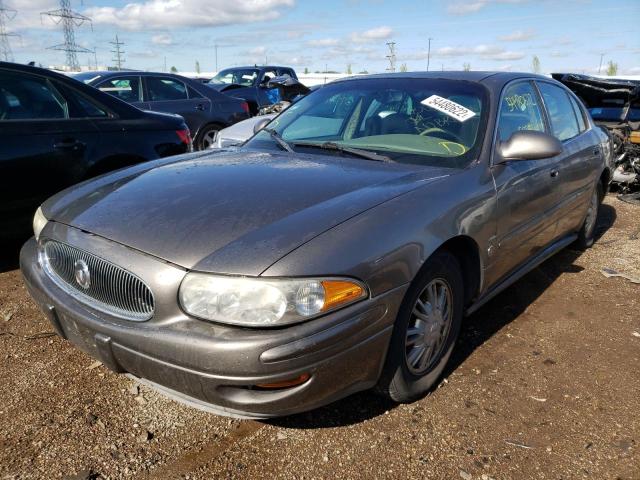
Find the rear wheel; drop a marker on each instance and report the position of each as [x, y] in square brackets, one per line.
[207, 137]
[426, 329]
[587, 232]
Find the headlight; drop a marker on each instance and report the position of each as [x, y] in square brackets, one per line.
[39, 221]
[258, 302]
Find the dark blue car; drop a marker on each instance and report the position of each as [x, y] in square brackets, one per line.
[205, 110]
[251, 84]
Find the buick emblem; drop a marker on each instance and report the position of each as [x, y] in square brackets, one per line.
[83, 277]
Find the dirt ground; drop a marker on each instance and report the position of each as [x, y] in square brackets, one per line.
[545, 384]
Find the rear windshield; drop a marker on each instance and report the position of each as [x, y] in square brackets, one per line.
[238, 76]
[410, 120]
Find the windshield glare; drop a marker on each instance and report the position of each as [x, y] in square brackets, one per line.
[242, 76]
[424, 121]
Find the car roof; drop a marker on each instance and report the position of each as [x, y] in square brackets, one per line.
[471, 76]
[257, 67]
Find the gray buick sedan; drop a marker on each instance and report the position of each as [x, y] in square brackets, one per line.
[337, 251]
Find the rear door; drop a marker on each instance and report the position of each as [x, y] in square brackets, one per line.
[526, 190]
[577, 167]
[43, 149]
[126, 87]
[171, 95]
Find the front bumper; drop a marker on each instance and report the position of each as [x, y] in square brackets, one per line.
[215, 366]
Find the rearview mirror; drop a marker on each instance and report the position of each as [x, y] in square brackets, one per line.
[260, 124]
[529, 145]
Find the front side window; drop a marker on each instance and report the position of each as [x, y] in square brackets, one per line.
[519, 110]
[124, 88]
[29, 97]
[162, 89]
[564, 123]
[423, 121]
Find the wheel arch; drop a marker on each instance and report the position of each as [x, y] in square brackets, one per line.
[467, 252]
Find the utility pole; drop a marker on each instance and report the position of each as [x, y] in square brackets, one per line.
[69, 20]
[216, 49]
[429, 53]
[165, 64]
[600, 67]
[7, 14]
[95, 58]
[392, 56]
[118, 53]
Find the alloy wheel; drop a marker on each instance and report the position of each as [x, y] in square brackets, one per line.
[429, 326]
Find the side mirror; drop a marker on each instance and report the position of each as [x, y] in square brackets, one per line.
[529, 145]
[260, 124]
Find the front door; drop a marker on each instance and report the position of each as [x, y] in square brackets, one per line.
[526, 190]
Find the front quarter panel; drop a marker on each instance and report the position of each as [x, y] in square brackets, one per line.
[386, 245]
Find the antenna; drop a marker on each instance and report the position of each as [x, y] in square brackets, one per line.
[69, 20]
[392, 56]
[119, 60]
[5, 47]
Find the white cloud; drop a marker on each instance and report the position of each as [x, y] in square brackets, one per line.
[464, 8]
[155, 14]
[324, 42]
[558, 54]
[162, 39]
[487, 52]
[519, 36]
[373, 35]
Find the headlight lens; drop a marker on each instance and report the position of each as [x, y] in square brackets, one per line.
[39, 221]
[257, 302]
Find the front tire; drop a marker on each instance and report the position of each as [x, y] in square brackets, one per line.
[587, 232]
[425, 331]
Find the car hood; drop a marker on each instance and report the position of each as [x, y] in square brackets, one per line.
[234, 213]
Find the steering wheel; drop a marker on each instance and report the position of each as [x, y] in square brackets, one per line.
[440, 133]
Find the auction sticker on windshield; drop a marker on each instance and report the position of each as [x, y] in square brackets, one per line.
[453, 109]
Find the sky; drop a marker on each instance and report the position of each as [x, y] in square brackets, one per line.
[569, 35]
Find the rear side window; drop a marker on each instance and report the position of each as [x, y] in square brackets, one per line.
[164, 88]
[519, 110]
[29, 97]
[579, 114]
[564, 123]
[124, 88]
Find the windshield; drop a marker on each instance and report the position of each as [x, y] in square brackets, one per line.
[425, 121]
[239, 76]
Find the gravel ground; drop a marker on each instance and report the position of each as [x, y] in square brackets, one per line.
[544, 384]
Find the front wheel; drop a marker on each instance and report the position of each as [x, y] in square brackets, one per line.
[426, 329]
[587, 232]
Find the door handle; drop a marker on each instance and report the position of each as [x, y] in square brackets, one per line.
[68, 144]
[554, 173]
[199, 107]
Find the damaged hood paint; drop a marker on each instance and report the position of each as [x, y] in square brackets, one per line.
[234, 213]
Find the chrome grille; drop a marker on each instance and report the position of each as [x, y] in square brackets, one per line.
[111, 289]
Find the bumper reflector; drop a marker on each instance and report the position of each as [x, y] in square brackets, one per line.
[292, 382]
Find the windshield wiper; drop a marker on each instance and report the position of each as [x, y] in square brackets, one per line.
[276, 136]
[341, 148]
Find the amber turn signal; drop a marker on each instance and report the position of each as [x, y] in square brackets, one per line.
[292, 382]
[338, 292]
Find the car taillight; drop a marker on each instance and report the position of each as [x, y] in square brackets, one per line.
[245, 107]
[184, 136]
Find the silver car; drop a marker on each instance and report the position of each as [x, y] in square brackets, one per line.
[338, 250]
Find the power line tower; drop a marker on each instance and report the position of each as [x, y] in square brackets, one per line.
[69, 20]
[119, 54]
[392, 56]
[6, 15]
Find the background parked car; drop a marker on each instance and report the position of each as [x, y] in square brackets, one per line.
[205, 110]
[250, 83]
[56, 132]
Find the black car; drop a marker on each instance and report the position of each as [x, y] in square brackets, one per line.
[55, 132]
[251, 84]
[205, 110]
